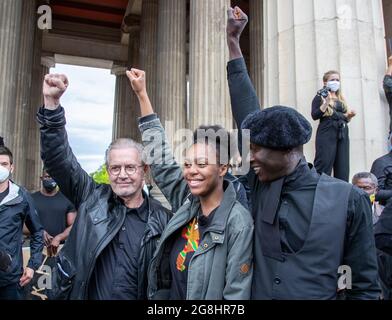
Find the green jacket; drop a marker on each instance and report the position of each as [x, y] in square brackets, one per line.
[221, 267]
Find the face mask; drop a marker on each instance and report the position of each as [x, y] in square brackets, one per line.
[333, 85]
[49, 184]
[4, 174]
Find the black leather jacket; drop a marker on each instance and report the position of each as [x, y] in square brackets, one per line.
[100, 215]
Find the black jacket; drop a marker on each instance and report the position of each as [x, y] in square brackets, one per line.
[388, 89]
[383, 230]
[382, 169]
[360, 253]
[15, 210]
[100, 215]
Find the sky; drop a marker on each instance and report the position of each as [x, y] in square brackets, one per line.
[88, 104]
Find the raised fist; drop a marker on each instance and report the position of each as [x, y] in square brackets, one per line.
[53, 88]
[137, 78]
[236, 22]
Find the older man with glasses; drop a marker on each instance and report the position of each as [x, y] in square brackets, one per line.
[118, 226]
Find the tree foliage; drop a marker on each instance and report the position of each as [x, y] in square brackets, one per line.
[101, 176]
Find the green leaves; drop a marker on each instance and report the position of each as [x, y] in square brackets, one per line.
[101, 176]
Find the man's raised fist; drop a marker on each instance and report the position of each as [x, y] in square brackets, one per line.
[236, 22]
[53, 88]
[137, 78]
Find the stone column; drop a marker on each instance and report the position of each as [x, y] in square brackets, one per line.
[304, 39]
[24, 80]
[256, 46]
[209, 98]
[125, 120]
[121, 103]
[41, 67]
[10, 26]
[134, 109]
[171, 86]
[148, 45]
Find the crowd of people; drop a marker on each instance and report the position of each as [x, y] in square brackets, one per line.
[284, 230]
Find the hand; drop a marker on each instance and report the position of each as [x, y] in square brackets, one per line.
[53, 88]
[55, 245]
[236, 22]
[28, 275]
[350, 114]
[137, 78]
[47, 239]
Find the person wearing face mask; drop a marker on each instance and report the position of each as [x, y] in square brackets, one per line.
[332, 139]
[16, 209]
[368, 183]
[56, 212]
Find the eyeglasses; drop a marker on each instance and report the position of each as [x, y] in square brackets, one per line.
[129, 170]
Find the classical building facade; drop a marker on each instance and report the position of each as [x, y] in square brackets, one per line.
[181, 44]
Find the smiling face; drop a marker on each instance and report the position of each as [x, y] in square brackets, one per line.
[126, 172]
[269, 164]
[201, 171]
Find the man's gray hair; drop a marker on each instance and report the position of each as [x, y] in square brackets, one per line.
[124, 143]
[365, 175]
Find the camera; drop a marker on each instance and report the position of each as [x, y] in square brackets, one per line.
[324, 92]
[5, 261]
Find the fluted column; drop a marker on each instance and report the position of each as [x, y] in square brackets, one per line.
[304, 39]
[41, 67]
[121, 103]
[148, 45]
[171, 87]
[133, 109]
[10, 25]
[24, 80]
[126, 108]
[256, 46]
[209, 98]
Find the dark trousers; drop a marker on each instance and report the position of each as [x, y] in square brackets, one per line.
[11, 292]
[333, 149]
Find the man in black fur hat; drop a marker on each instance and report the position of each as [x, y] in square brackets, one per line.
[313, 234]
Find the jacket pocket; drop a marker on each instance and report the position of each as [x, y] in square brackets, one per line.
[63, 276]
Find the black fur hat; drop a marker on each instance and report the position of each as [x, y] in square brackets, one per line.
[279, 128]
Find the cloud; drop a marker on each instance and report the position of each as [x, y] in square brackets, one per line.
[88, 104]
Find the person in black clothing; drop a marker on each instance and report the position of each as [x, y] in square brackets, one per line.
[306, 225]
[382, 169]
[383, 236]
[332, 139]
[388, 91]
[56, 212]
[116, 231]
